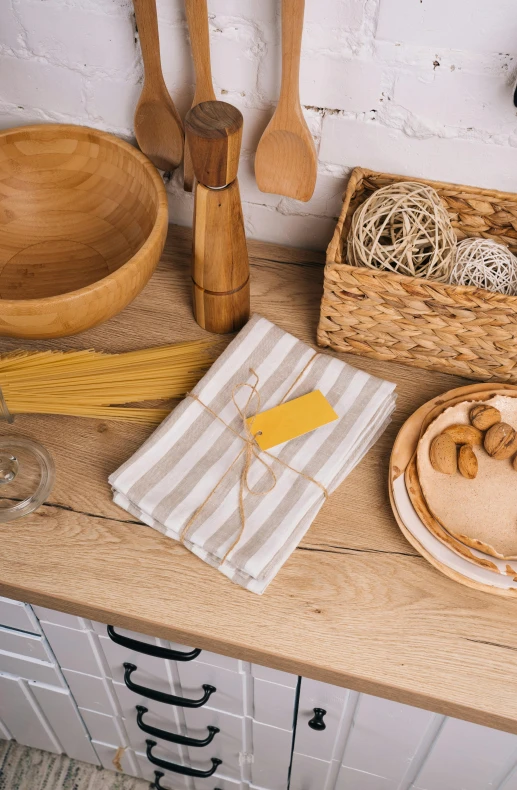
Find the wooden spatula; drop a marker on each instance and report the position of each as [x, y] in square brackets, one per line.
[197, 18]
[286, 161]
[158, 127]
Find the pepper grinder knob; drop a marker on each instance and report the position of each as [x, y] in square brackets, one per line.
[214, 131]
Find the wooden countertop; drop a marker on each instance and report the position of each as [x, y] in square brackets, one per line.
[354, 605]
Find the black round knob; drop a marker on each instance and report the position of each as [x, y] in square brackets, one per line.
[317, 722]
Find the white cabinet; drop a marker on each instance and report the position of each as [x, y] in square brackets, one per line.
[77, 650]
[467, 755]
[374, 744]
[23, 717]
[43, 717]
[17, 615]
[64, 688]
[29, 645]
[62, 715]
[252, 707]
[229, 694]
[271, 756]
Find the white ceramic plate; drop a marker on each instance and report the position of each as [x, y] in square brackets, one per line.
[444, 558]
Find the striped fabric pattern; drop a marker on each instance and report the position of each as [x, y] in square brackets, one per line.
[183, 467]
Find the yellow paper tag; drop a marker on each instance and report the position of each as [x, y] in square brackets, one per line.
[291, 419]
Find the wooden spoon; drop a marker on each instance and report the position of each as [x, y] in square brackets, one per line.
[158, 127]
[197, 18]
[286, 161]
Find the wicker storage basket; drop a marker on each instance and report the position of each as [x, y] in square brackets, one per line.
[451, 328]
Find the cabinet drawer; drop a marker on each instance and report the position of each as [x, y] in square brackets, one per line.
[166, 717]
[44, 718]
[273, 704]
[14, 614]
[101, 628]
[23, 718]
[230, 686]
[30, 668]
[61, 618]
[314, 694]
[30, 645]
[195, 758]
[137, 738]
[107, 753]
[154, 673]
[76, 650]
[91, 692]
[59, 710]
[170, 780]
[228, 745]
[102, 631]
[274, 675]
[205, 657]
[215, 659]
[105, 729]
[271, 756]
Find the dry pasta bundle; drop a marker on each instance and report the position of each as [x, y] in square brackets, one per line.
[95, 384]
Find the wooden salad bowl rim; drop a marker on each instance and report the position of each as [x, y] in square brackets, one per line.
[162, 215]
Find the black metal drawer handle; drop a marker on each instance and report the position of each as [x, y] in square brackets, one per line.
[317, 722]
[160, 696]
[151, 650]
[181, 769]
[156, 785]
[171, 736]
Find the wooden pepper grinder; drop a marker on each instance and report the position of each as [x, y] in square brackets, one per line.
[220, 267]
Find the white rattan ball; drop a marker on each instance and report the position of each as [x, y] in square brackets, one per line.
[485, 264]
[404, 228]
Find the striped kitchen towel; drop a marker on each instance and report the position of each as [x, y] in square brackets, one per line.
[199, 478]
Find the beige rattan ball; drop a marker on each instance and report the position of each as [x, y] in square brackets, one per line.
[404, 228]
[485, 264]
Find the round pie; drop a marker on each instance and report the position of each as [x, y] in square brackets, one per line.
[481, 513]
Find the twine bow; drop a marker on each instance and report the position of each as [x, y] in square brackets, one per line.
[250, 451]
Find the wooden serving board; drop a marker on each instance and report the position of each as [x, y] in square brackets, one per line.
[429, 538]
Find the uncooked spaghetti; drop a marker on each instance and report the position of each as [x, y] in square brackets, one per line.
[95, 384]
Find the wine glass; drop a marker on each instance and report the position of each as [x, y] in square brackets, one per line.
[27, 472]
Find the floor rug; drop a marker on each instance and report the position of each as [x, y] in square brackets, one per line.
[22, 768]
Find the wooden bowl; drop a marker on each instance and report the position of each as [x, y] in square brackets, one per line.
[83, 220]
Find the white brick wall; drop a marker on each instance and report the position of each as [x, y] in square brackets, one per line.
[420, 87]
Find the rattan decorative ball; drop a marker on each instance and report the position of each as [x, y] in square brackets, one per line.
[404, 228]
[485, 264]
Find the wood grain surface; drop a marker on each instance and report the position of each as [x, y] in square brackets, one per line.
[355, 605]
[197, 20]
[214, 133]
[220, 267]
[83, 220]
[286, 162]
[158, 127]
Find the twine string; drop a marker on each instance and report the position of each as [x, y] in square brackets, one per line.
[250, 451]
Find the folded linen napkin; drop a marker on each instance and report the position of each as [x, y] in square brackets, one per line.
[185, 481]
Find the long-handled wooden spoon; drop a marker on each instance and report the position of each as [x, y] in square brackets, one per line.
[286, 161]
[158, 127]
[197, 18]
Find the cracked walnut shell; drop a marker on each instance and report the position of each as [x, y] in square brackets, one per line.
[483, 416]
